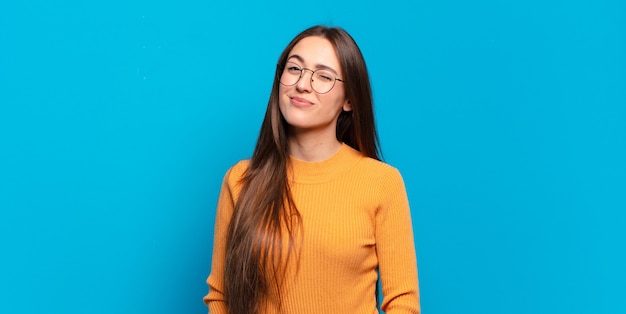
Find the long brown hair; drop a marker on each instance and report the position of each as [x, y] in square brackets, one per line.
[255, 256]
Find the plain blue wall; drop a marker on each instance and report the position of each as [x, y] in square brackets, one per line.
[118, 121]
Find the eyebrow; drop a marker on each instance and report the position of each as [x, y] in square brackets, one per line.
[317, 66]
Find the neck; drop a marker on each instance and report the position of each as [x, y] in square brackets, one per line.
[313, 147]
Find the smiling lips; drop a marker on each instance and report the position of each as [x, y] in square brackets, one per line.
[299, 102]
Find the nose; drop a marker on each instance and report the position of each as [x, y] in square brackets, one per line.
[304, 83]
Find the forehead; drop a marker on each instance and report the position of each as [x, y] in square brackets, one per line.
[315, 51]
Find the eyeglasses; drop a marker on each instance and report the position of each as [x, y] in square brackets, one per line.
[322, 81]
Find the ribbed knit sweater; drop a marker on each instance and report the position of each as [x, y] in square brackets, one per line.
[356, 219]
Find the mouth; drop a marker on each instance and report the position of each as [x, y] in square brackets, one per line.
[299, 101]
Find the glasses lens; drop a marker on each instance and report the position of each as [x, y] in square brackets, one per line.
[291, 74]
[323, 81]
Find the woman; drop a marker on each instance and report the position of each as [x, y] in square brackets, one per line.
[312, 219]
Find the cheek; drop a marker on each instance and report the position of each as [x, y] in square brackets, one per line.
[282, 96]
[283, 91]
[336, 96]
[334, 102]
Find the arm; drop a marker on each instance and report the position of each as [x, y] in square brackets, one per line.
[215, 299]
[395, 248]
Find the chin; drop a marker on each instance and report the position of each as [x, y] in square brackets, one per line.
[298, 124]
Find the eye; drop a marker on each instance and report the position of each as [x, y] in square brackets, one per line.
[324, 76]
[293, 68]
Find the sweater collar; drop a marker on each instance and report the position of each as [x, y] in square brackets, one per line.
[323, 171]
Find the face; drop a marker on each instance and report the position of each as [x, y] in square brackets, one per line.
[301, 106]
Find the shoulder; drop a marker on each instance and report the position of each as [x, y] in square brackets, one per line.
[370, 168]
[383, 178]
[239, 169]
[234, 176]
[387, 184]
[379, 169]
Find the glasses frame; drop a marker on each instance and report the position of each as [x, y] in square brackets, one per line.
[302, 69]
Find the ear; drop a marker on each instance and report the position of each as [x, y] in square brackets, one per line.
[347, 106]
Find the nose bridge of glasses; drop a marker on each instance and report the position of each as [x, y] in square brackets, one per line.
[301, 77]
[307, 69]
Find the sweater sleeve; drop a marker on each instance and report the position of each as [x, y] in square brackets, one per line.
[395, 248]
[215, 300]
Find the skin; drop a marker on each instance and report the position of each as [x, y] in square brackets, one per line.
[312, 117]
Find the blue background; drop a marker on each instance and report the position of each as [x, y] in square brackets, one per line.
[118, 121]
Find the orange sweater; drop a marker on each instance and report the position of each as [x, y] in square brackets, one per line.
[356, 218]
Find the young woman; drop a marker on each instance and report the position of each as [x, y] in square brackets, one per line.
[311, 221]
